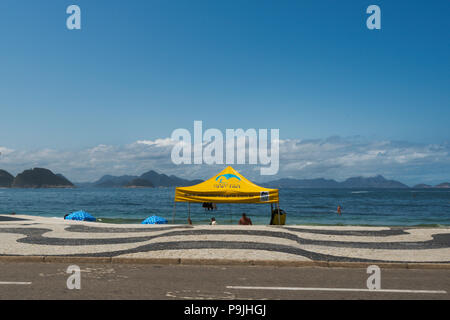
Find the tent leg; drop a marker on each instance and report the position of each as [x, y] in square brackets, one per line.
[271, 213]
[173, 214]
[279, 213]
[189, 210]
[270, 220]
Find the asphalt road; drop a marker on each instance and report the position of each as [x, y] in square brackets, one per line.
[125, 281]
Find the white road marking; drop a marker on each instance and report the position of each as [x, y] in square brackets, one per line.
[18, 283]
[337, 289]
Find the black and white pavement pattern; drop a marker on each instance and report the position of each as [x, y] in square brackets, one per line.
[38, 236]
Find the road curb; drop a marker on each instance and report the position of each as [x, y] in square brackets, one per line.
[221, 262]
[62, 259]
[428, 266]
[22, 258]
[165, 261]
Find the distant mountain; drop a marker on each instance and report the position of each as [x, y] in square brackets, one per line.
[84, 184]
[443, 185]
[139, 183]
[40, 178]
[372, 182]
[158, 180]
[6, 179]
[109, 181]
[355, 182]
[155, 179]
[422, 186]
[302, 183]
[162, 180]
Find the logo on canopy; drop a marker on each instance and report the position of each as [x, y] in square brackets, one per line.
[227, 176]
[264, 196]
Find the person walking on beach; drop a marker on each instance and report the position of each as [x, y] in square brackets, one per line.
[245, 220]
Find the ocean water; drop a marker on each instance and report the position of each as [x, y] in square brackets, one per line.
[376, 207]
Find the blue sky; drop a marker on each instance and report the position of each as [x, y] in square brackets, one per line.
[140, 69]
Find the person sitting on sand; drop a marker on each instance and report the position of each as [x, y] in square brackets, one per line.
[245, 220]
[213, 221]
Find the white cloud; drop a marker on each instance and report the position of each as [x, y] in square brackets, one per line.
[158, 142]
[335, 157]
[5, 151]
[341, 158]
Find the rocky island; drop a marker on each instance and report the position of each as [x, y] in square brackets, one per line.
[6, 179]
[40, 178]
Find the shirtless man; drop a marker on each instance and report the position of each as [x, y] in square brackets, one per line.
[245, 220]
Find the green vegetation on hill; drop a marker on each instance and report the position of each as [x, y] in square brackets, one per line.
[147, 179]
[40, 178]
[6, 179]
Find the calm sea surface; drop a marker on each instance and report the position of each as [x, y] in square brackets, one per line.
[382, 207]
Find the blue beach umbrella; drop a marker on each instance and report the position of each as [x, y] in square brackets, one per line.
[80, 216]
[154, 220]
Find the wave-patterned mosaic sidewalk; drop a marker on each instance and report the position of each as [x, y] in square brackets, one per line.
[37, 236]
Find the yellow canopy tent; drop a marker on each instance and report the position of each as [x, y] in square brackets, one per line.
[228, 186]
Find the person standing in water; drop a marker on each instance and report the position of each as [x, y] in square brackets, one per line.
[339, 210]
